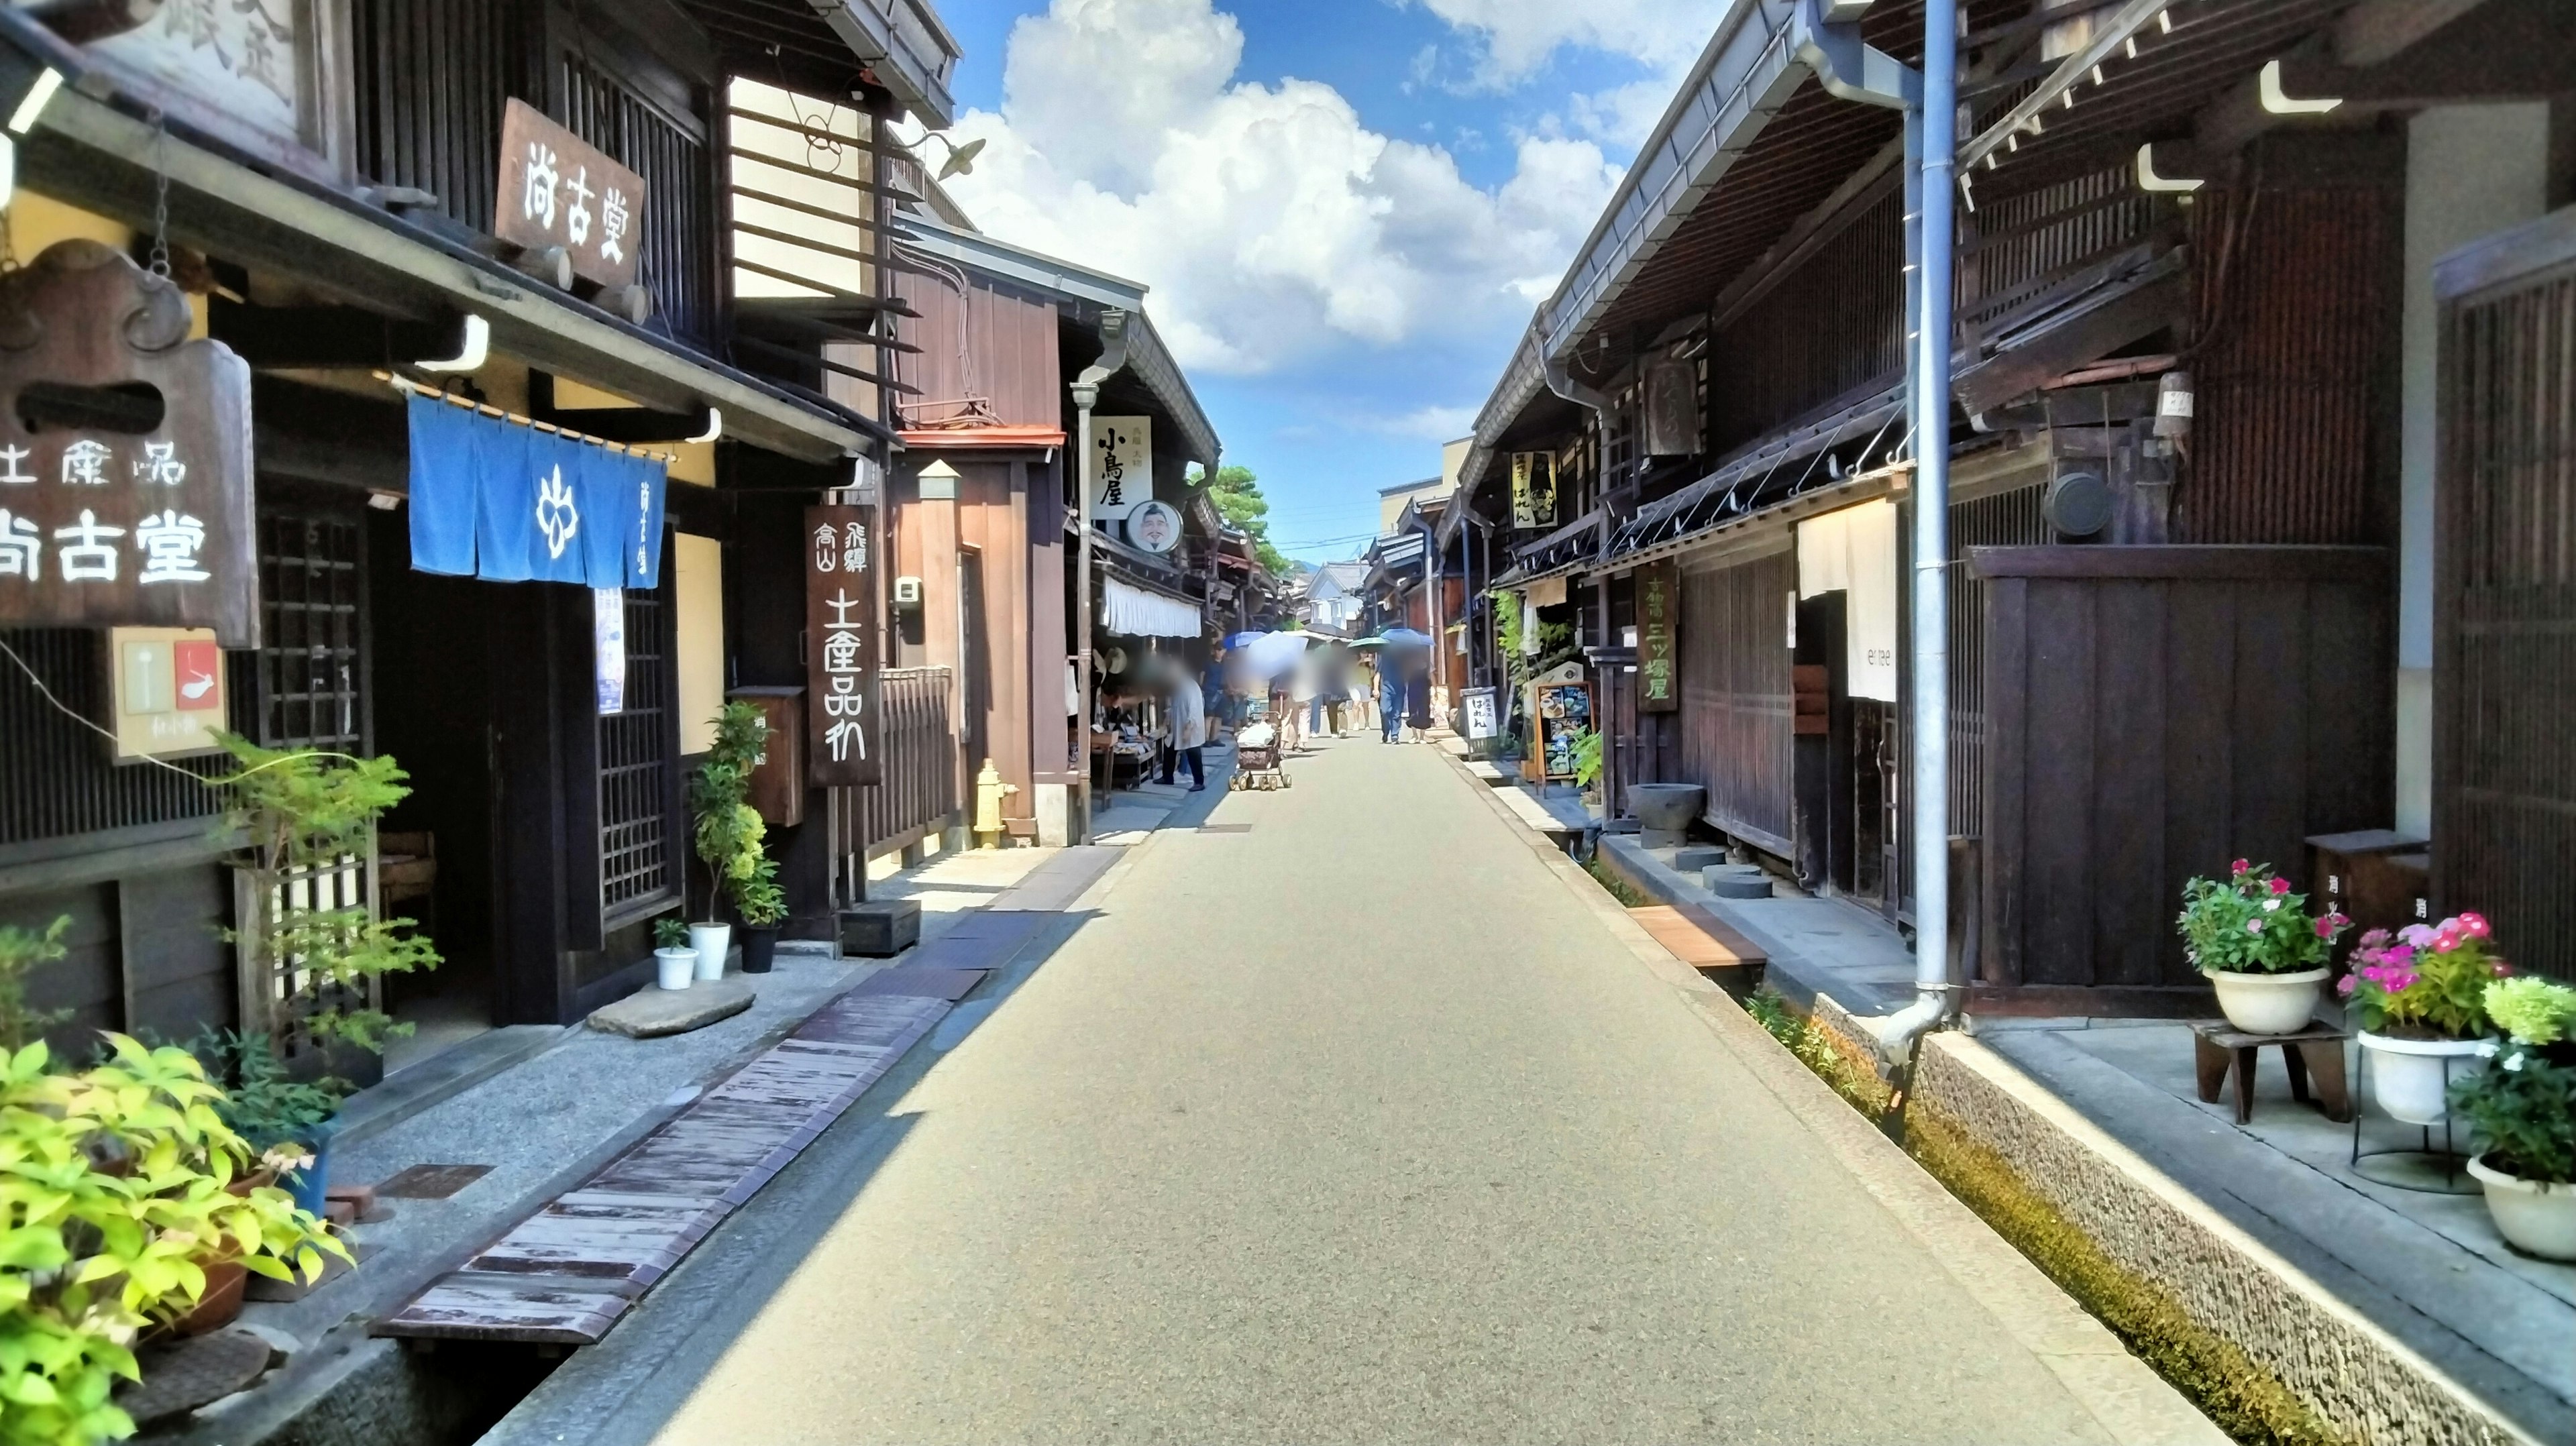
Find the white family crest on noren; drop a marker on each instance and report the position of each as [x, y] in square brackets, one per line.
[557, 518]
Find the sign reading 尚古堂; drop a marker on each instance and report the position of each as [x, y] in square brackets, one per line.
[1119, 473]
[560, 190]
[125, 455]
[842, 747]
[1659, 681]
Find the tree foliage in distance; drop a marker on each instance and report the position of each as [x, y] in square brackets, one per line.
[1237, 495]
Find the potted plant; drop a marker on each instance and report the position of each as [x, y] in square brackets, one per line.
[1587, 772]
[2253, 938]
[2522, 1112]
[675, 960]
[729, 829]
[2420, 1002]
[285, 1119]
[122, 1189]
[764, 908]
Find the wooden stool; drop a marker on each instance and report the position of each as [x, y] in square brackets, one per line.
[2315, 1052]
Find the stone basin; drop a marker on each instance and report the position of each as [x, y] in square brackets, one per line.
[1665, 811]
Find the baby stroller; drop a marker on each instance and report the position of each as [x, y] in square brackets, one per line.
[1257, 755]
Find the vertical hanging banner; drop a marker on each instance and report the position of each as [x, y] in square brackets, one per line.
[507, 503]
[1659, 684]
[125, 455]
[1533, 489]
[1119, 473]
[842, 746]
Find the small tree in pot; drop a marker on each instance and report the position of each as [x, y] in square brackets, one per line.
[2259, 947]
[729, 829]
[2522, 1111]
[764, 908]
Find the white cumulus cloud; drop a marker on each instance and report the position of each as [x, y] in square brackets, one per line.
[1516, 37]
[1270, 223]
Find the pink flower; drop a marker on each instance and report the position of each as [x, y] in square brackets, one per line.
[2253, 926]
[2326, 927]
[2418, 935]
[2375, 939]
[2474, 925]
[2500, 969]
[2344, 985]
[2280, 886]
[2446, 940]
[2240, 868]
[2398, 957]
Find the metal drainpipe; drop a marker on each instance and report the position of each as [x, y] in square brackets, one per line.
[1930, 400]
[1439, 615]
[1086, 395]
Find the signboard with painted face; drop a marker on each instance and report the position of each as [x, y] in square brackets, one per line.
[1155, 526]
[842, 744]
[1533, 489]
[1119, 473]
[560, 190]
[125, 455]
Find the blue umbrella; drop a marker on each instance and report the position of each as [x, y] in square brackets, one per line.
[1239, 639]
[1405, 638]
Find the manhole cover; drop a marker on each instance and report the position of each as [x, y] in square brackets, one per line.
[432, 1182]
[1225, 828]
[183, 1375]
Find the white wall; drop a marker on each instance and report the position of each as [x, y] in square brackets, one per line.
[2470, 171]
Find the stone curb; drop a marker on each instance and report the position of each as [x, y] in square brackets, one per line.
[2133, 1404]
[2354, 1375]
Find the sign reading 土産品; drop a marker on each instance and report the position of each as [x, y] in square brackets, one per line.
[560, 190]
[842, 746]
[125, 455]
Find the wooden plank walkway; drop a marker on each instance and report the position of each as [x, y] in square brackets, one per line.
[1704, 941]
[565, 1274]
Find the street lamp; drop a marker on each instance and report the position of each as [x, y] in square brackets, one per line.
[961, 159]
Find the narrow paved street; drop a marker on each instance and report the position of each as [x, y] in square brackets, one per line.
[1395, 1142]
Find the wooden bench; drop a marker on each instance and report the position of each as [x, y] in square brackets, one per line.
[1707, 943]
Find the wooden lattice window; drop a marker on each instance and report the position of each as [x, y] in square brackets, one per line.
[638, 862]
[312, 663]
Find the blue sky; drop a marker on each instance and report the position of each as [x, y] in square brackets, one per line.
[1345, 208]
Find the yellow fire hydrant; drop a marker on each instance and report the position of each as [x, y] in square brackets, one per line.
[990, 790]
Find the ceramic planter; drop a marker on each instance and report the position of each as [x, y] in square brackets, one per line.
[220, 1304]
[2533, 1217]
[2267, 1003]
[2411, 1078]
[759, 948]
[712, 941]
[310, 1185]
[674, 968]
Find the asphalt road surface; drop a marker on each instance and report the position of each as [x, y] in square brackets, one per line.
[1359, 1126]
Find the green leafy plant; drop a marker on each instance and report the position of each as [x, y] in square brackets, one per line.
[262, 1102]
[2522, 1107]
[118, 1189]
[762, 902]
[670, 932]
[1587, 759]
[23, 952]
[2428, 982]
[1555, 641]
[308, 811]
[729, 829]
[2252, 923]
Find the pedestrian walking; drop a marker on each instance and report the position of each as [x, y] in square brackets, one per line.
[1417, 699]
[1188, 714]
[1390, 700]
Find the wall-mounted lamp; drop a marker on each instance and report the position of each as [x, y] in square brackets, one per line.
[469, 357]
[2280, 104]
[2148, 180]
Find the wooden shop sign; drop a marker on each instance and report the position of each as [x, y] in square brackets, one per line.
[843, 747]
[125, 455]
[1659, 685]
[560, 190]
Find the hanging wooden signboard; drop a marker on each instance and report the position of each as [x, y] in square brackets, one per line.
[1533, 489]
[1659, 685]
[125, 462]
[1119, 473]
[560, 190]
[842, 745]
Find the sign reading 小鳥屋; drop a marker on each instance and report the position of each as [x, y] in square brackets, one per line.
[1119, 473]
[842, 746]
[560, 190]
[125, 455]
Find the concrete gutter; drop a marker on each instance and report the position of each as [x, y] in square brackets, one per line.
[2354, 1375]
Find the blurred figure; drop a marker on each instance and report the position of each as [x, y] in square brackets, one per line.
[1188, 716]
[1390, 699]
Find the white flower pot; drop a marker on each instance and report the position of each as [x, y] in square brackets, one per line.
[2535, 1218]
[2267, 1003]
[2411, 1078]
[711, 941]
[673, 968]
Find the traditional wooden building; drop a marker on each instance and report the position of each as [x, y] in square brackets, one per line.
[2236, 463]
[989, 537]
[650, 233]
